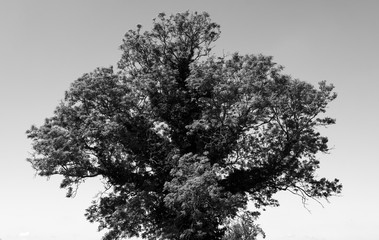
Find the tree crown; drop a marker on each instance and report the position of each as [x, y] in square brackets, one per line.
[183, 140]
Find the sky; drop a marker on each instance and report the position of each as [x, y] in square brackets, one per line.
[46, 44]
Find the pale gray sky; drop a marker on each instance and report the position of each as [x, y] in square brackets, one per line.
[46, 45]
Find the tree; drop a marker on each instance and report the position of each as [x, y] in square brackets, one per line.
[243, 227]
[182, 139]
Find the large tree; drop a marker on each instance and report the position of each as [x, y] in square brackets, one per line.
[184, 140]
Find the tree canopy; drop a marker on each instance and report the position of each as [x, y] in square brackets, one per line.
[183, 140]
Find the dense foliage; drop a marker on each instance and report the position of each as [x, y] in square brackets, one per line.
[182, 139]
